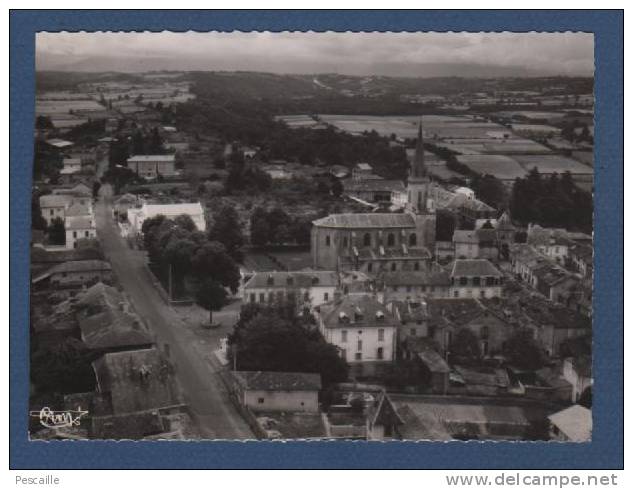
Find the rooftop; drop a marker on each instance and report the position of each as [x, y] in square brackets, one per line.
[356, 311]
[79, 223]
[474, 268]
[435, 277]
[362, 221]
[292, 279]
[373, 185]
[165, 158]
[81, 266]
[136, 380]
[278, 381]
[55, 200]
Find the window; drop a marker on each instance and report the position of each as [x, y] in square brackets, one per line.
[260, 400]
[343, 353]
[476, 281]
[271, 297]
[490, 281]
[485, 332]
[74, 234]
[52, 212]
[413, 240]
[393, 267]
[416, 266]
[326, 296]
[369, 267]
[463, 281]
[344, 241]
[413, 332]
[358, 356]
[306, 296]
[482, 294]
[456, 294]
[344, 336]
[391, 240]
[327, 240]
[431, 332]
[262, 297]
[379, 353]
[381, 334]
[252, 297]
[367, 239]
[87, 234]
[359, 345]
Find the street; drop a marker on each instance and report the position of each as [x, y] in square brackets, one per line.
[197, 373]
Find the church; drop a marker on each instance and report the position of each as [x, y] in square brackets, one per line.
[376, 242]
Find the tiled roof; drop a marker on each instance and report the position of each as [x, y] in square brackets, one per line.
[356, 311]
[171, 210]
[373, 185]
[77, 209]
[367, 221]
[278, 381]
[474, 268]
[79, 223]
[55, 200]
[452, 311]
[165, 158]
[137, 380]
[292, 279]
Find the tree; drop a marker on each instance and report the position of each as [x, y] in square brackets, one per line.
[57, 232]
[227, 230]
[270, 341]
[37, 221]
[523, 351]
[43, 122]
[260, 230]
[95, 188]
[465, 345]
[210, 295]
[212, 260]
[337, 188]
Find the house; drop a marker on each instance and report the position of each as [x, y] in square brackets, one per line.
[573, 424]
[431, 281]
[313, 288]
[77, 273]
[137, 216]
[475, 278]
[150, 166]
[277, 391]
[136, 380]
[71, 165]
[106, 322]
[412, 317]
[363, 171]
[373, 190]
[478, 243]
[550, 242]
[581, 256]
[435, 368]
[79, 227]
[53, 206]
[362, 328]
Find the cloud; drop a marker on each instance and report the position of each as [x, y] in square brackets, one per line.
[298, 52]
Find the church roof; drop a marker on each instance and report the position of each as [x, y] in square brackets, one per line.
[361, 221]
[373, 185]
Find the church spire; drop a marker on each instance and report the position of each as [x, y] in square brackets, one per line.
[419, 168]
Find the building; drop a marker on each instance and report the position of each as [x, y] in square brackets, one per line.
[376, 190]
[478, 243]
[475, 278]
[379, 241]
[53, 206]
[79, 227]
[71, 165]
[310, 288]
[362, 328]
[277, 391]
[552, 243]
[435, 368]
[77, 273]
[573, 424]
[432, 281]
[150, 166]
[577, 371]
[363, 171]
[137, 216]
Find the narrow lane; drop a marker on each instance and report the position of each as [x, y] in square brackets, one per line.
[202, 387]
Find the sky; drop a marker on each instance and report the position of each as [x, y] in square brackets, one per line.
[396, 54]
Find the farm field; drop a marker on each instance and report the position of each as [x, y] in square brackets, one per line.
[552, 163]
[501, 166]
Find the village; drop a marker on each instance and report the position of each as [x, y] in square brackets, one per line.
[258, 282]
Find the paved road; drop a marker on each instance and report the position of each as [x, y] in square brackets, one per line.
[203, 389]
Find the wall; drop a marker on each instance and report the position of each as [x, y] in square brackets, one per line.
[370, 342]
[83, 277]
[467, 292]
[317, 295]
[72, 235]
[403, 292]
[306, 401]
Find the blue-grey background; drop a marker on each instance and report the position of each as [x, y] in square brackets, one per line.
[605, 451]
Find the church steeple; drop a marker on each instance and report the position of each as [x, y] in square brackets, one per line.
[418, 169]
